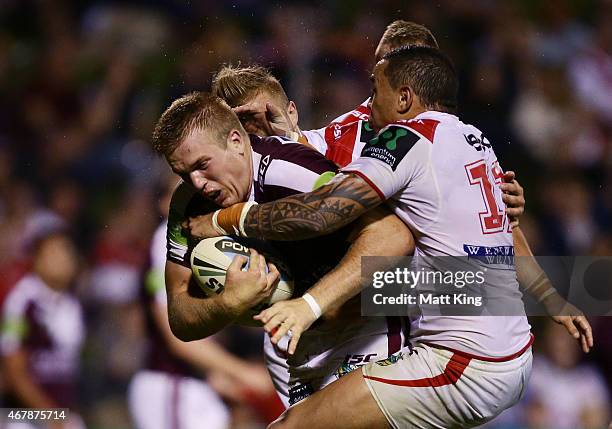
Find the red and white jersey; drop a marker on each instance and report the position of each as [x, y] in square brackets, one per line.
[442, 178]
[343, 139]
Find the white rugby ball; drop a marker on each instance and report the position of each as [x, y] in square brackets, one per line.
[210, 259]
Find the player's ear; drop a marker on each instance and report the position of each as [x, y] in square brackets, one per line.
[293, 114]
[404, 99]
[235, 141]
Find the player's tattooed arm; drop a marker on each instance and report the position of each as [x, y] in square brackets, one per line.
[307, 215]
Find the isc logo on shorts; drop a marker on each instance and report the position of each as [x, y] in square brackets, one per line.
[357, 359]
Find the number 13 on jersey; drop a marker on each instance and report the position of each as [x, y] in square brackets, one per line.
[493, 219]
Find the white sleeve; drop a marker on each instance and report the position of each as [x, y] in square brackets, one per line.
[316, 138]
[391, 160]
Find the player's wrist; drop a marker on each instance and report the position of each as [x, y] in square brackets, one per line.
[230, 220]
[313, 304]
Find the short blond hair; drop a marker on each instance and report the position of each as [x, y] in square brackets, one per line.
[194, 111]
[401, 33]
[237, 85]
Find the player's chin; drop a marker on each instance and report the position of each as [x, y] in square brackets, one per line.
[229, 200]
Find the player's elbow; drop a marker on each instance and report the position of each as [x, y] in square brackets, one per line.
[398, 240]
[182, 328]
[401, 241]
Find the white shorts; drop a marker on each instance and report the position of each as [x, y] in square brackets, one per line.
[427, 387]
[325, 355]
[276, 363]
[158, 400]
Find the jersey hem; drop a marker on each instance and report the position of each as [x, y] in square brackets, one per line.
[486, 358]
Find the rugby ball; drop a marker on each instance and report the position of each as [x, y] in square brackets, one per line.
[210, 259]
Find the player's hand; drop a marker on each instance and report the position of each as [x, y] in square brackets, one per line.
[201, 227]
[245, 289]
[292, 315]
[263, 119]
[514, 197]
[571, 318]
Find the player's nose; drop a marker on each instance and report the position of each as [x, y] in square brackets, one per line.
[197, 180]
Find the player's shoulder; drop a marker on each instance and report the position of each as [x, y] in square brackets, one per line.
[361, 112]
[27, 290]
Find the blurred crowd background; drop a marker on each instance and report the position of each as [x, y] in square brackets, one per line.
[82, 84]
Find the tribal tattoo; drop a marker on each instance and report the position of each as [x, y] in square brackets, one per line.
[311, 214]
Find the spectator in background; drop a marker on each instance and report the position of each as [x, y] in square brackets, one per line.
[562, 393]
[591, 71]
[42, 331]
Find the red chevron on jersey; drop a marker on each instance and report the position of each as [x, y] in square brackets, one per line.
[341, 134]
[341, 141]
[425, 127]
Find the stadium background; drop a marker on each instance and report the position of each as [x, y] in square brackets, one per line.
[82, 84]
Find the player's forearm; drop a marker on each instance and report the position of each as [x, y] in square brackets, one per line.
[378, 233]
[531, 277]
[308, 215]
[191, 315]
[193, 318]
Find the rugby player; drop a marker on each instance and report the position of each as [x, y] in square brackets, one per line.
[174, 369]
[265, 110]
[42, 332]
[220, 164]
[438, 172]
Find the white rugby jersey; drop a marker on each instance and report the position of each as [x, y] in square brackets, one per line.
[442, 178]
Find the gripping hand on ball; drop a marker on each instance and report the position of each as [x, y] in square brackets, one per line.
[293, 315]
[245, 289]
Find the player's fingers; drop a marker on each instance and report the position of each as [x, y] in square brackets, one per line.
[273, 111]
[509, 176]
[568, 322]
[250, 127]
[273, 275]
[274, 322]
[513, 200]
[262, 267]
[586, 329]
[254, 261]
[584, 344]
[267, 314]
[282, 330]
[249, 108]
[237, 263]
[294, 340]
[514, 213]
